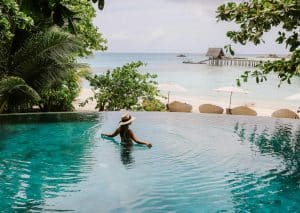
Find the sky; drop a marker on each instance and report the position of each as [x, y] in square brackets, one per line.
[181, 26]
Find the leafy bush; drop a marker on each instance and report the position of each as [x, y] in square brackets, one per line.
[59, 95]
[123, 88]
[153, 105]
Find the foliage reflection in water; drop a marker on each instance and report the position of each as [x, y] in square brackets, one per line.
[282, 143]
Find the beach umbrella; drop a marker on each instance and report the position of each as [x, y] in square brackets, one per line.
[231, 90]
[171, 87]
[293, 97]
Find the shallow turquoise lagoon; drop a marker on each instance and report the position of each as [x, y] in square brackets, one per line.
[198, 163]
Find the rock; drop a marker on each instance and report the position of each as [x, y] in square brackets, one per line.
[210, 108]
[285, 113]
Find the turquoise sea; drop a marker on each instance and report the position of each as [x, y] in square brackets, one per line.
[201, 80]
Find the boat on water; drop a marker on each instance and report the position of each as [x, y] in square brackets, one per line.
[195, 62]
[181, 55]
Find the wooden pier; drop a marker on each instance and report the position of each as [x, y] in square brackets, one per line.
[235, 62]
[216, 57]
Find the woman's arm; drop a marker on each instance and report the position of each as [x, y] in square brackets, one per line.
[114, 134]
[133, 137]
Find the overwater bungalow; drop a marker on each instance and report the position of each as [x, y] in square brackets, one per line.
[217, 57]
[215, 53]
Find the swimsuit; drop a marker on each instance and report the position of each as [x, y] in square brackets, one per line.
[125, 138]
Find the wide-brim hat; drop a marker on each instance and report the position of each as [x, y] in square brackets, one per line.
[126, 119]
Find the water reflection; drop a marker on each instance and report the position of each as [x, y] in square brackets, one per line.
[40, 161]
[125, 152]
[282, 142]
[126, 156]
[257, 191]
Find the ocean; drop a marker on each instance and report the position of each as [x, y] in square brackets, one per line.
[200, 80]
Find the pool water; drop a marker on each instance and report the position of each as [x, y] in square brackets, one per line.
[198, 163]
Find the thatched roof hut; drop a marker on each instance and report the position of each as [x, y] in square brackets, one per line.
[215, 53]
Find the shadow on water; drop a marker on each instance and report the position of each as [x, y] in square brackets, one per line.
[278, 188]
[41, 160]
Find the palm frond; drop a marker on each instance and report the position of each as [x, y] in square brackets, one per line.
[15, 93]
[45, 57]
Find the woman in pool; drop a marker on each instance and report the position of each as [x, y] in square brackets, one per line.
[126, 134]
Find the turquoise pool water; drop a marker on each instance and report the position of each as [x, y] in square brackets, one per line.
[198, 163]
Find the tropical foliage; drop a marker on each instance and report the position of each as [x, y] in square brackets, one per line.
[16, 95]
[10, 18]
[43, 59]
[124, 88]
[39, 43]
[256, 17]
[100, 3]
[19, 18]
[153, 104]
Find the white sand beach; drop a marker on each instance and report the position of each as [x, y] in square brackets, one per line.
[194, 101]
[83, 95]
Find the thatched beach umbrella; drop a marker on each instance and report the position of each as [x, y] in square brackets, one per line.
[171, 87]
[231, 90]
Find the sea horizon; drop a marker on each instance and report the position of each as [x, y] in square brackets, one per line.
[198, 53]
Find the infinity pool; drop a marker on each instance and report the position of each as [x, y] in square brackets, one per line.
[198, 163]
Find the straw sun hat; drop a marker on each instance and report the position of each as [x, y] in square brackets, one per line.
[126, 119]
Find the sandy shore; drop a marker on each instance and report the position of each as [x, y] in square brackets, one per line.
[83, 95]
[194, 101]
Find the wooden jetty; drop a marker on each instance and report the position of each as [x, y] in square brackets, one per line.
[216, 57]
[245, 62]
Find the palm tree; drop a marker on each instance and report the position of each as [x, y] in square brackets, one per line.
[43, 58]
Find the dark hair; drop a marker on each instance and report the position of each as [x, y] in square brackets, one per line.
[123, 129]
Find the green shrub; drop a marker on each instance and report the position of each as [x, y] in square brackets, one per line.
[153, 105]
[123, 88]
